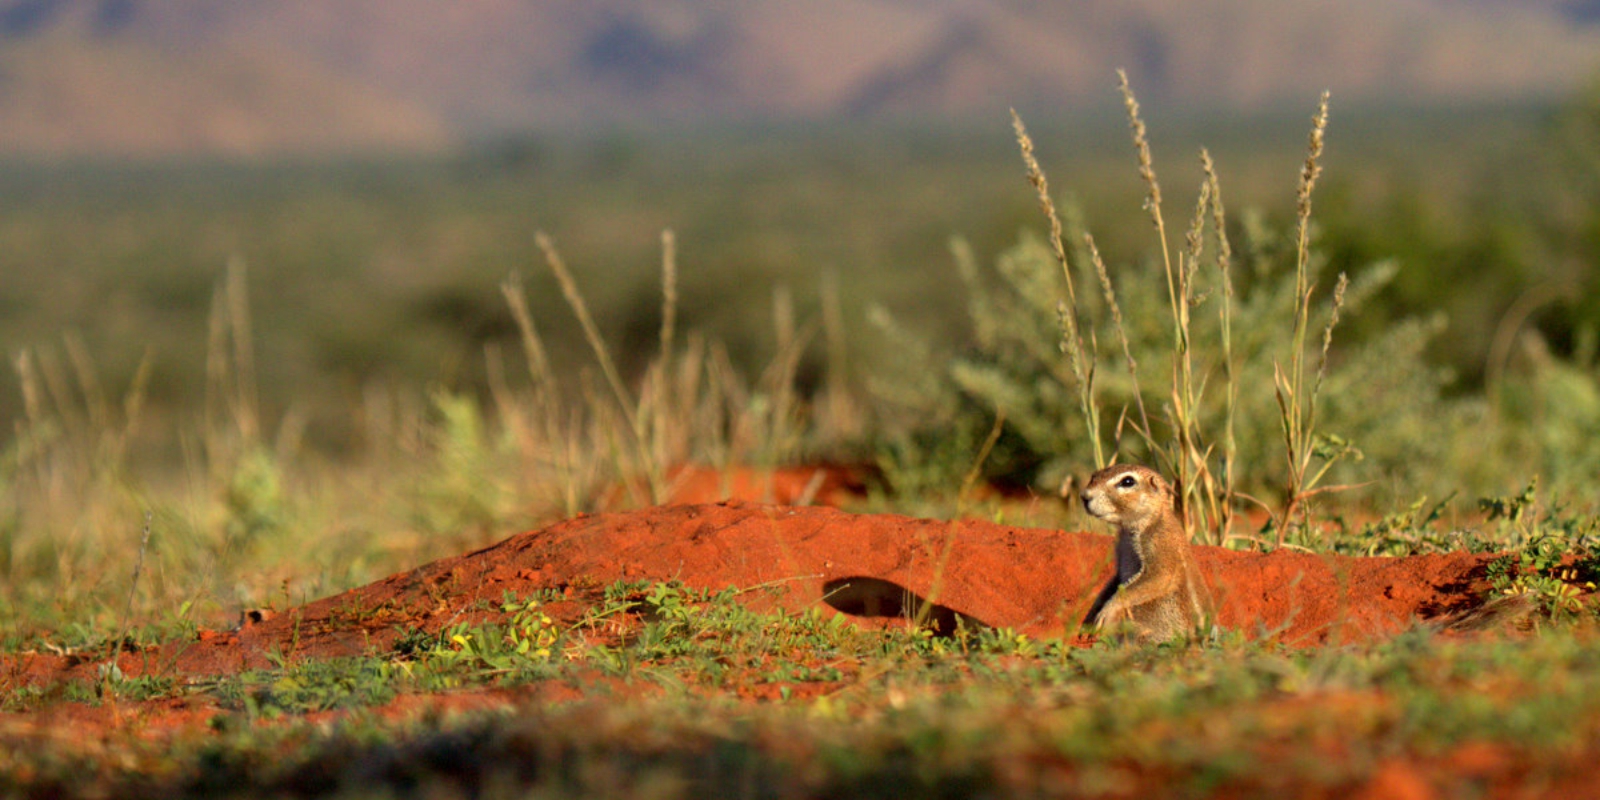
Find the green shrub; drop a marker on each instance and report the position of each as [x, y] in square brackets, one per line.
[1178, 362]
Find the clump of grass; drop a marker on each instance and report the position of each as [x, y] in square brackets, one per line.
[835, 710]
[633, 412]
[692, 405]
[1210, 424]
[256, 521]
[1080, 354]
[1297, 402]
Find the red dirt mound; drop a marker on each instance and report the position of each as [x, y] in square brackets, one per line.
[814, 485]
[1039, 582]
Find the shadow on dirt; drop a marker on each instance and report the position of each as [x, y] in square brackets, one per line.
[861, 596]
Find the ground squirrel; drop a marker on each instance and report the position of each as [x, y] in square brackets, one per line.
[1157, 587]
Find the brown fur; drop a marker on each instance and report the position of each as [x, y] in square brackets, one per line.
[1158, 589]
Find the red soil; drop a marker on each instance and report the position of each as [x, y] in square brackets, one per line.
[1039, 582]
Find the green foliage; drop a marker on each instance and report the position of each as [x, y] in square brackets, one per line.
[461, 495]
[253, 501]
[1229, 716]
[522, 641]
[1360, 417]
[308, 686]
[1556, 555]
[1545, 413]
[689, 635]
[1540, 570]
[1405, 533]
[142, 687]
[1384, 399]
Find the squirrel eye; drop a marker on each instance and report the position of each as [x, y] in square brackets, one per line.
[1128, 482]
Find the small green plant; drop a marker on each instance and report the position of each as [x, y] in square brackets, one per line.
[1405, 533]
[1541, 571]
[308, 685]
[525, 639]
[1005, 641]
[461, 494]
[1518, 510]
[1555, 556]
[114, 683]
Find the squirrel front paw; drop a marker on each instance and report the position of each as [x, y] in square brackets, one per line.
[1112, 615]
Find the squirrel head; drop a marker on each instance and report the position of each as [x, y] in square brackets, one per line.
[1128, 496]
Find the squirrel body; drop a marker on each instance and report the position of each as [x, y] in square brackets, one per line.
[1157, 588]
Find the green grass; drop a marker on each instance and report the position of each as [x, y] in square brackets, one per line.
[897, 710]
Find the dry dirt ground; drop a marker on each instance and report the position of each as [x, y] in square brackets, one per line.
[869, 567]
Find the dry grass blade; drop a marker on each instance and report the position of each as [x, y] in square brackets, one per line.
[94, 398]
[1327, 342]
[32, 395]
[645, 462]
[1079, 353]
[133, 406]
[133, 587]
[661, 385]
[1115, 309]
[232, 421]
[59, 390]
[1297, 404]
[842, 419]
[532, 345]
[247, 416]
[989, 442]
[669, 293]
[942, 563]
[1147, 169]
[1219, 223]
[591, 331]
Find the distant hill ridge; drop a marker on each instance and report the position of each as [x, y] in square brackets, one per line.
[236, 77]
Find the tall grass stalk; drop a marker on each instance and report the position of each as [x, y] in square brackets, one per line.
[1204, 477]
[1230, 446]
[1297, 401]
[233, 417]
[133, 586]
[842, 418]
[1185, 455]
[1196, 487]
[548, 434]
[654, 473]
[661, 398]
[533, 349]
[1080, 354]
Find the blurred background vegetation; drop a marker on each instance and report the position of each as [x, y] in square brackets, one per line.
[269, 305]
[381, 277]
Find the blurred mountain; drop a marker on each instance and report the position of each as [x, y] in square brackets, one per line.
[240, 77]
